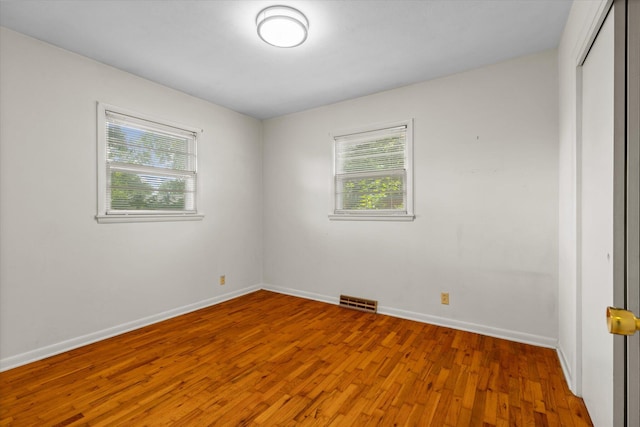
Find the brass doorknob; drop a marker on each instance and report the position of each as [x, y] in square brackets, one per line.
[622, 322]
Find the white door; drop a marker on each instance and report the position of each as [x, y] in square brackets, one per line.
[609, 230]
[596, 228]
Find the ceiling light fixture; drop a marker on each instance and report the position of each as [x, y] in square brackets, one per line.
[282, 26]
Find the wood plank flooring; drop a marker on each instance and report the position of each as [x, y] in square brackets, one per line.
[276, 360]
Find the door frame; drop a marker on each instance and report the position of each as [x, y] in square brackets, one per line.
[627, 206]
[632, 199]
[626, 193]
[619, 208]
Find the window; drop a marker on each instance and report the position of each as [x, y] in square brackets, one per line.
[147, 168]
[373, 173]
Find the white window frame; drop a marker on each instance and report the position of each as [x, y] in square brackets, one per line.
[372, 215]
[105, 216]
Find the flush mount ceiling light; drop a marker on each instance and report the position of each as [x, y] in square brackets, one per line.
[282, 26]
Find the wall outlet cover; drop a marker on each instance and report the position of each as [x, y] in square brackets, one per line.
[444, 298]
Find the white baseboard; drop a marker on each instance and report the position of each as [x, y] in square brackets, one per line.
[521, 337]
[61, 347]
[566, 370]
[301, 294]
[506, 334]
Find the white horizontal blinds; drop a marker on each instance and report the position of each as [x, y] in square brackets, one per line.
[151, 167]
[371, 172]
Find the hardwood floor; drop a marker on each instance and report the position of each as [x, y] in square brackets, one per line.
[276, 360]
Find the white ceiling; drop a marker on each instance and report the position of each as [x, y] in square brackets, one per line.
[210, 49]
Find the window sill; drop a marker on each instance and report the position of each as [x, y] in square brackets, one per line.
[108, 219]
[355, 217]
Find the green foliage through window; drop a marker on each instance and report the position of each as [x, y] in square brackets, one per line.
[130, 191]
[149, 167]
[371, 171]
[373, 193]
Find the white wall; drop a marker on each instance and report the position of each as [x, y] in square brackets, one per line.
[486, 200]
[486, 164]
[580, 27]
[66, 280]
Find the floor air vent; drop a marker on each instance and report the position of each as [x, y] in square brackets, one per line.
[361, 304]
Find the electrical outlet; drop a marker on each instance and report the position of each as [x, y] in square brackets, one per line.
[222, 280]
[444, 298]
